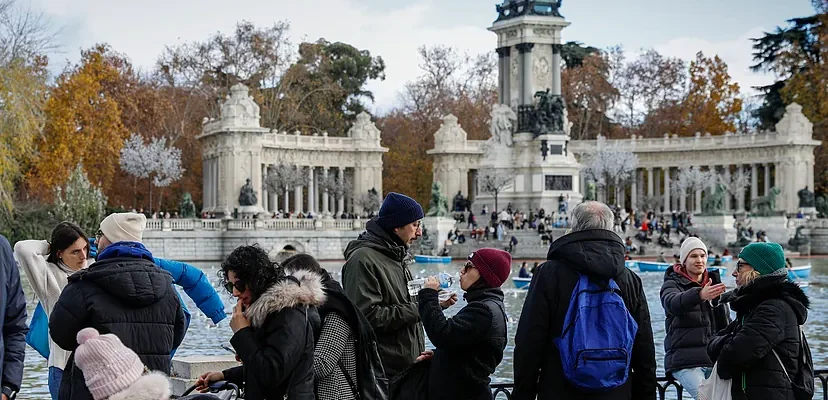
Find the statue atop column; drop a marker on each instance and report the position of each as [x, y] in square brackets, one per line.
[806, 198]
[247, 195]
[549, 113]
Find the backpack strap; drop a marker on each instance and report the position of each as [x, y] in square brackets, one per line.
[775, 354]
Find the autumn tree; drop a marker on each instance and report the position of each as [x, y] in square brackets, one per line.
[451, 83]
[712, 103]
[83, 123]
[589, 96]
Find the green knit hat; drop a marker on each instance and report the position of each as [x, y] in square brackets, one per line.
[765, 258]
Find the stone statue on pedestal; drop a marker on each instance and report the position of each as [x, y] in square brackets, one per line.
[799, 239]
[186, 208]
[501, 125]
[766, 205]
[247, 195]
[591, 193]
[438, 207]
[806, 198]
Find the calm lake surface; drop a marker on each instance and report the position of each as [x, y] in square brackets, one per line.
[204, 339]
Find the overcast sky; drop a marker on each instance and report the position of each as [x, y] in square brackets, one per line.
[395, 29]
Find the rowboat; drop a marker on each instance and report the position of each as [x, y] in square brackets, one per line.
[799, 273]
[649, 266]
[432, 259]
[630, 263]
[711, 259]
[522, 283]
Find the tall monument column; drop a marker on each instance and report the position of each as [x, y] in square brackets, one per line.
[526, 93]
[504, 71]
[556, 69]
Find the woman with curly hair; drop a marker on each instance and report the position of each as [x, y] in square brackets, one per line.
[273, 327]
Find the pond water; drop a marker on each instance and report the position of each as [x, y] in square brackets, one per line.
[204, 339]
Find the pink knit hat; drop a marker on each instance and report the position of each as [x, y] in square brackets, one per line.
[108, 366]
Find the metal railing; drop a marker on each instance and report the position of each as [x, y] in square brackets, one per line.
[664, 383]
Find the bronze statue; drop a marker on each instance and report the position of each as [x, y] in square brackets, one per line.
[459, 204]
[438, 206]
[806, 198]
[766, 205]
[186, 208]
[799, 239]
[247, 195]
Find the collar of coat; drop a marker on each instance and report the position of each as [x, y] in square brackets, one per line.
[305, 289]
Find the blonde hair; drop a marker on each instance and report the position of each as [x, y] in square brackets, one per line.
[750, 276]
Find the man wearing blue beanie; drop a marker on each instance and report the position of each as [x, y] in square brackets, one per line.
[375, 277]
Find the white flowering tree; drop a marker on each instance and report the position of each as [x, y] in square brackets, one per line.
[335, 186]
[155, 161]
[80, 201]
[369, 202]
[691, 179]
[494, 181]
[610, 165]
[737, 183]
[282, 177]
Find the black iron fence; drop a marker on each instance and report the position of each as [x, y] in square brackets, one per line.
[664, 384]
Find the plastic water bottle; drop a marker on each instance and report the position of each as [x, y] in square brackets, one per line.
[415, 285]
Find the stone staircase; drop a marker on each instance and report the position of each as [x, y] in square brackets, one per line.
[529, 245]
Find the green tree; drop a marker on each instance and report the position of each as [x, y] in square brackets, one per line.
[80, 201]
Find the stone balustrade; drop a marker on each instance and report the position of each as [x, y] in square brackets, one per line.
[279, 224]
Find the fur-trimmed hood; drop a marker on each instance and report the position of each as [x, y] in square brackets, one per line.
[152, 386]
[287, 293]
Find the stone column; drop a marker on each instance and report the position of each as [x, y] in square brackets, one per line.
[526, 94]
[311, 190]
[205, 186]
[505, 74]
[297, 195]
[287, 200]
[264, 196]
[274, 197]
[650, 184]
[698, 199]
[754, 183]
[325, 195]
[667, 203]
[740, 196]
[634, 190]
[727, 205]
[340, 206]
[767, 179]
[682, 206]
[556, 69]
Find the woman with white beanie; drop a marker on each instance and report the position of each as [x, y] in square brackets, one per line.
[690, 297]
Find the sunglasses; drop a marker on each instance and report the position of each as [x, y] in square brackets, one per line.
[739, 265]
[238, 285]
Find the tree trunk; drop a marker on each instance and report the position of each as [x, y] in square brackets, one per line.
[495, 196]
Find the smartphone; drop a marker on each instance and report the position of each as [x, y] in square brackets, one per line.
[228, 347]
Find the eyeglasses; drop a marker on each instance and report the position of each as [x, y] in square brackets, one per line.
[239, 285]
[739, 265]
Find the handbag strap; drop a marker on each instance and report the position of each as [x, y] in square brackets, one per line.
[348, 378]
[775, 354]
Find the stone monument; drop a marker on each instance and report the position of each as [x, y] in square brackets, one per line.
[248, 200]
[438, 206]
[807, 203]
[437, 220]
[186, 208]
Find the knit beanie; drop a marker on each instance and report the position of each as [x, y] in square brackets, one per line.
[124, 227]
[765, 258]
[493, 265]
[398, 210]
[688, 245]
[108, 366]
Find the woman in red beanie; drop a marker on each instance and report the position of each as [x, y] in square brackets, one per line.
[469, 345]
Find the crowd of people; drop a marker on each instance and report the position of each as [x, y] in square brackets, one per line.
[115, 322]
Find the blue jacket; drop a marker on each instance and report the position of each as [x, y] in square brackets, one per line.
[13, 315]
[194, 283]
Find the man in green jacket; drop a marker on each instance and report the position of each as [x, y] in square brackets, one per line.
[375, 277]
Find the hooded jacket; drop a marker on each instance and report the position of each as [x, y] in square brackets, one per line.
[769, 312]
[375, 277]
[690, 322]
[277, 349]
[13, 316]
[469, 345]
[538, 371]
[123, 293]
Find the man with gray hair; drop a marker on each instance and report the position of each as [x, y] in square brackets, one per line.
[592, 250]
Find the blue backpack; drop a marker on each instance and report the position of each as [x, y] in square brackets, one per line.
[597, 338]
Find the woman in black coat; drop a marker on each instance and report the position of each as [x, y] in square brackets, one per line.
[690, 297]
[469, 345]
[273, 327]
[769, 311]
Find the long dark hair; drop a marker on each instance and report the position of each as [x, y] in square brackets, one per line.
[306, 262]
[252, 265]
[64, 235]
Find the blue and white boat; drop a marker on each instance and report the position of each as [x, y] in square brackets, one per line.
[800, 273]
[432, 259]
[522, 283]
[651, 266]
[630, 263]
[725, 259]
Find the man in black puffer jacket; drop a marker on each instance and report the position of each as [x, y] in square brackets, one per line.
[594, 250]
[469, 345]
[769, 311]
[123, 293]
[693, 314]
